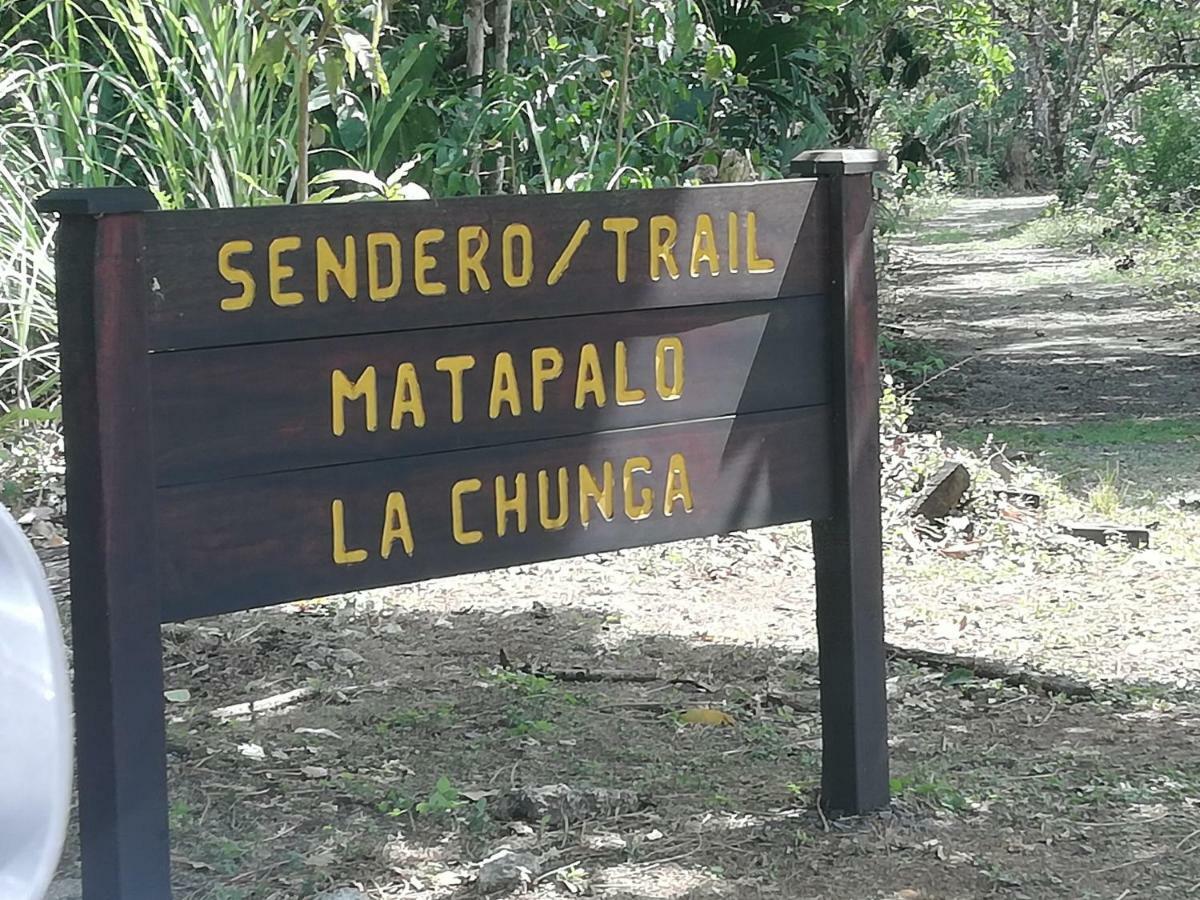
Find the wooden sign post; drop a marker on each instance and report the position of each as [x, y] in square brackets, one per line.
[282, 402]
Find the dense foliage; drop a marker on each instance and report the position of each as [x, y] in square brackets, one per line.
[268, 101]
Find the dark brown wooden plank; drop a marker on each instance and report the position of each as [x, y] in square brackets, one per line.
[255, 541]
[186, 286]
[115, 614]
[269, 408]
[848, 546]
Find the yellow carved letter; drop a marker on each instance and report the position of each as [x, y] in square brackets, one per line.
[589, 490]
[518, 504]
[626, 396]
[455, 365]
[568, 253]
[673, 390]
[376, 241]
[234, 275]
[589, 380]
[277, 270]
[621, 226]
[555, 522]
[342, 389]
[470, 261]
[704, 247]
[733, 228]
[341, 555]
[396, 526]
[678, 487]
[344, 270]
[423, 262]
[407, 397]
[511, 277]
[753, 263]
[664, 231]
[547, 365]
[504, 386]
[635, 511]
[465, 486]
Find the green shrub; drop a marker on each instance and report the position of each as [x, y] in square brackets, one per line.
[1153, 162]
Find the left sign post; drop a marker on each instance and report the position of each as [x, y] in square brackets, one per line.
[115, 607]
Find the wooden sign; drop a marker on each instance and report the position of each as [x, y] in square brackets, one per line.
[267, 404]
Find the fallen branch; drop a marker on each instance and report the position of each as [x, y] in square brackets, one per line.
[946, 371]
[612, 675]
[266, 704]
[616, 676]
[990, 668]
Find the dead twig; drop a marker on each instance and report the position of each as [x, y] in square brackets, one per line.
[1179, 846]
[615, 676]
[990, 668]
[946, 371]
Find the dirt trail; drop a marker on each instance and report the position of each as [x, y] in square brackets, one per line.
[1044, 336]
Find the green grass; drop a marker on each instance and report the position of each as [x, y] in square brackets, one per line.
[1108, 494]
[932, 789]
[1125, 432]
[1057, 227]
[1162, 246]
[435, 719]
[1111, 468]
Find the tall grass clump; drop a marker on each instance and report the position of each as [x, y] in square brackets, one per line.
[188, 99]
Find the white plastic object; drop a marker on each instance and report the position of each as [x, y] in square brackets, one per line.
[35, 722]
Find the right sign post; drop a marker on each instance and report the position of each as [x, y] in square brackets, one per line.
[848, 545]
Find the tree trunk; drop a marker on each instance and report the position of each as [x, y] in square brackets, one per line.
[503, 32]
[623, 99]
[474, 21]
[301, 195]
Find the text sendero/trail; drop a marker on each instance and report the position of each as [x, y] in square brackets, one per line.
[380, 265]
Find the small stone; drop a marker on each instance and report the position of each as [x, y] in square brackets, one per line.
[347, 657]
[602, 841]
[507, 870]
[1000, 464]
[342, 893]
[253, 751]
[943, 492]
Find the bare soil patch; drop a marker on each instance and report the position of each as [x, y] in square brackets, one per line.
[998, 791]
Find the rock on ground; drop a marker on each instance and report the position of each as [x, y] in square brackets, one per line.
[507, 870]
[342, 893]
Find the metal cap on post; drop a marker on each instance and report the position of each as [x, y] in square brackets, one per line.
[95, 201]
[812, 163]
